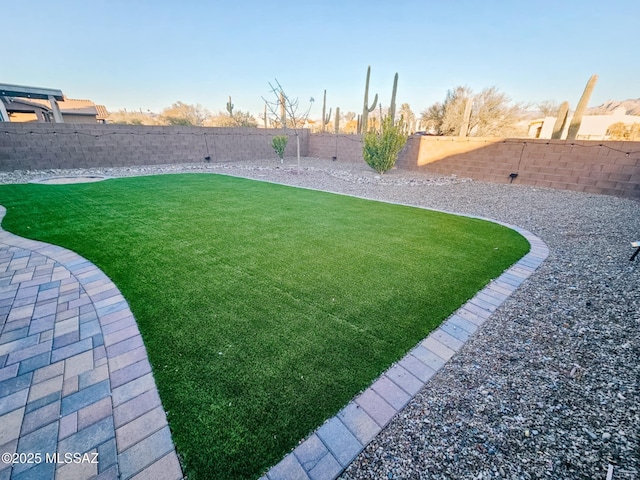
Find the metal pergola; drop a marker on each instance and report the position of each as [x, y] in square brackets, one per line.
[21, 91]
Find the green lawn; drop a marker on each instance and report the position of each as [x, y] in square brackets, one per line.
[264, 308]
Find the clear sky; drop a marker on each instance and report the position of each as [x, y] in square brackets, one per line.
[147, 54]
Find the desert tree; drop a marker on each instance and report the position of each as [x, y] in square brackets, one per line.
[124, 117]
[548, 108]
[181, 113]
[622, 131]
[286, 112]
[492, 114]
[408, 117]
[238, 119]
[431, 118]
[453, 110]
[349, 116]
[496, 115]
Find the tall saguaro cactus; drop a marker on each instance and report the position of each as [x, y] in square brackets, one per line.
[561, 120]
[337, 121]
[230, 107]
[392, 107]
[574, 126]
[366, 109]
[325, 118]
[264, 117]
[466, 117]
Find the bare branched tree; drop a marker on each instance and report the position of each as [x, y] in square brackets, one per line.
[495, 115]
[453, 114]
[285, 112]
[548, 108]
[492, 114]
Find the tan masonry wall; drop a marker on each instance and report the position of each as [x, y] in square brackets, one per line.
[36, 146]
[611, 168]
[603, 167]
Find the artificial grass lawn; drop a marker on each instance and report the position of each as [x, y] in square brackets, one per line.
[264, 308]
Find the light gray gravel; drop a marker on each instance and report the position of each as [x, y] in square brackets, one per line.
[549, 387]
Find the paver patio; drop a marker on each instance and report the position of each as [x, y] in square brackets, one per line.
[74, 374]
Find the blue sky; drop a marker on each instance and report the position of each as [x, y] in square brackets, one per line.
[142, 54]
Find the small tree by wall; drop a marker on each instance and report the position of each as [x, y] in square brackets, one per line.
[285, 111]
[279, 144]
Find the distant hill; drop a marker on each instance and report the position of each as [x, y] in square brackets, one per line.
[632, 107]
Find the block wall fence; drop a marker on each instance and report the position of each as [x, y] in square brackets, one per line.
[602, 167]
[41, 146]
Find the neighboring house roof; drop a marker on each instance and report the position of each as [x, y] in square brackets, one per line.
[102, 112]
[72, 106]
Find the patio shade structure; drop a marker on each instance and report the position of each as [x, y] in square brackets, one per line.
[22, 91]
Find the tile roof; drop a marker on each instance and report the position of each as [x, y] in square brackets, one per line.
[71, 105]
[103, 113]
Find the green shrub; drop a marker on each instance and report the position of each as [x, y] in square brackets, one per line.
[381, 148]
[279, 143]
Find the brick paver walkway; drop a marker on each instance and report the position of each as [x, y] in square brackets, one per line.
[77, 396]
[75, 379]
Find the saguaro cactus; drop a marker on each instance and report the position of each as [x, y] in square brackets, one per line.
[366, 109]
[325, 118]
[464, 128]
[264, 116]
[230, 107]
[561, 120]
[574, 126]
[337, 121]
[392, 107]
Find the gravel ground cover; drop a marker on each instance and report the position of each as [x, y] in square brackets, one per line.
[549, 386]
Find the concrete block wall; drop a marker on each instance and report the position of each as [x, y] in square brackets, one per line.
[31, 146]
[348, 148]
[605, 167]
[602, 167]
